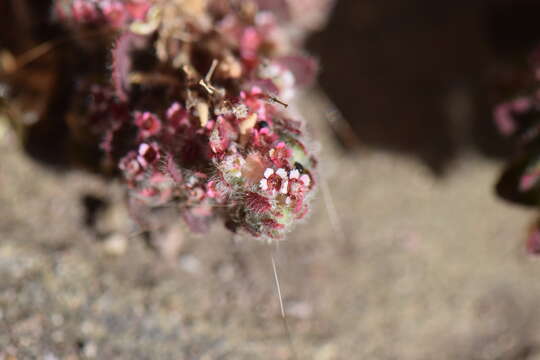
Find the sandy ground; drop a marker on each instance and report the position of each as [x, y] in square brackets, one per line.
[430, 268]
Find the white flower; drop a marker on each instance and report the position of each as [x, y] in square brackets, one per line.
[305, 179]
[268, 172]
[282, 173]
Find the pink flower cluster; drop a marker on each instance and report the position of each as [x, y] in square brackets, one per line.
[519, 120]
[113, 12]
[194, 110]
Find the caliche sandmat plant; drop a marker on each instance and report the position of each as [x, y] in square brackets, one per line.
[190, 105]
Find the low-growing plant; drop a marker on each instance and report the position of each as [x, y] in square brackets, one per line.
[188, 101]
[519, 119]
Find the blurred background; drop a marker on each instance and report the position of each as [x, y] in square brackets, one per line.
[421, 77]
[409, 253]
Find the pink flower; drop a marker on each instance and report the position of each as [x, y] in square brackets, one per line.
[85, 11]
[130, 166]
[262, 140]
[275, 182]
[148, 124]
[137, 9]
[280, 155]
[115, 13]
[249, 44]
[177, 116]
[505, 114]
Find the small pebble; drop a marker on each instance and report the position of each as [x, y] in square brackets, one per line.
[115, 245]
[90, 350]
[190, 264]
[50, 356]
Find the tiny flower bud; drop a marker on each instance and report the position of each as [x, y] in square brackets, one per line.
[148, 124]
